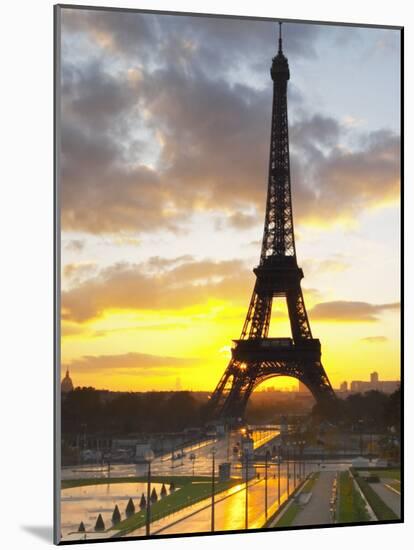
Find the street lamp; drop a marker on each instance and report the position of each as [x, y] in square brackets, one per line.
[266, 466]
[294, 463]
[304, 458]
[287, 467]
[109, 457]
[360, 421]
[278, 477]
[213, 468]
[192, 458]
[228, 429]
[148, 457]
[246, 503]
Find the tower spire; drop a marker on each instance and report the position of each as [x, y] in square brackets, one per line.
[280, 37]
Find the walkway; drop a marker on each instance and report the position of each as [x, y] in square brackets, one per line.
[317, 511]
[229, 511]
[391, 499]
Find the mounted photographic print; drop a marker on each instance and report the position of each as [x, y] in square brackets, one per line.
[228, 325]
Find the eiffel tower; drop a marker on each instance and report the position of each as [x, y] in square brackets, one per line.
[255, 356]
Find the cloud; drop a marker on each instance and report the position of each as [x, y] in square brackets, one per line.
[159, 263]
[79, 269]
[140, 364]
[348, 311]
[130, 286]
[336, 183]
[169, 38]
[330, 265]
[75, 245]
[374, 339]
[240, 220]
[151, 134]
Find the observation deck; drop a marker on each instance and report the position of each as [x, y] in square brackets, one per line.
[276, 349]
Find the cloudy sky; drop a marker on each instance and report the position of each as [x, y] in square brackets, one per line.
[165, 124]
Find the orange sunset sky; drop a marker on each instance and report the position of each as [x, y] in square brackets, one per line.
[165, 124]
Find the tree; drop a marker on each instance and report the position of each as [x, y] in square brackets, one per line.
[81, 528]
[100, 525]
[154, 496]
[116, 516]
[130, 509]
[143, 502]
[163, 491]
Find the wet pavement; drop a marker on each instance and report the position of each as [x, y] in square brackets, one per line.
[164, 465]
[86, 503]
[230, 509]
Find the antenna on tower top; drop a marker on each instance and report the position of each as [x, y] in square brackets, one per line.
[280, 36]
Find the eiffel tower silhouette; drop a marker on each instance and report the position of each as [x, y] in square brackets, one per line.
[255, 356]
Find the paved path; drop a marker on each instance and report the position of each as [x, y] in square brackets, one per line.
[391, 499]
[229, 512]
[317, 512]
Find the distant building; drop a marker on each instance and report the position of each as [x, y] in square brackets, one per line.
[343, 386]
[66, 385]
[374, 383]
[374, 378]
[302, 388]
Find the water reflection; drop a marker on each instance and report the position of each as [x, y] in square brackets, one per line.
[86, 503]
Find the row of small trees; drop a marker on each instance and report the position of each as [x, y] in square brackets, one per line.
[130, 508]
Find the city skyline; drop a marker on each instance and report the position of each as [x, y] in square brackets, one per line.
[163, 121]
[67, 385]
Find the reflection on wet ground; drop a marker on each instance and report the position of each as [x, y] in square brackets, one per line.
[86, 503]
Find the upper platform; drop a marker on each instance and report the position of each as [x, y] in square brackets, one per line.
[276, 349]
[278, 274]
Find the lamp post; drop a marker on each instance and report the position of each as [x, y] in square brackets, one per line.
[266, 467]
[294, 463]
[287, 467]
[360, 437]
[246, 502]
[228, 429]
[278, 477]
[301, 461]
[213, 471]
[192, 458]
[149, 457]
[109, 463]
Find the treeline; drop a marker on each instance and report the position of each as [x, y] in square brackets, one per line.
[86, 409]
[372, 410]
[268, 411]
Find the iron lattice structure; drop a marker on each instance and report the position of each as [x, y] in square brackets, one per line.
[255, 356]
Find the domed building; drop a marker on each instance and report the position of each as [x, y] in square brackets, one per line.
[66, 384]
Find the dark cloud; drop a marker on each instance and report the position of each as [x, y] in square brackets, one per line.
[334, 184]
[348, 311]
[166, 38]
[129, 363]
[163, 89]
